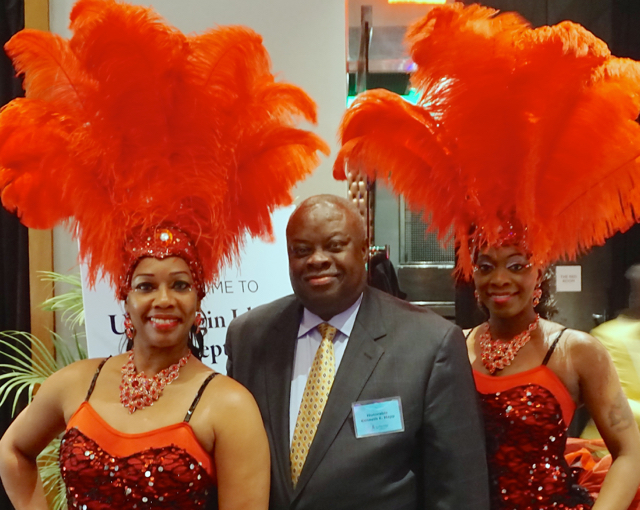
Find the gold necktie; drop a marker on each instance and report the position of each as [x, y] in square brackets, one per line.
[316, 392]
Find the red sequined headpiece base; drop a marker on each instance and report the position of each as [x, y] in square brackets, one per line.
[508, 233]
[160, 242]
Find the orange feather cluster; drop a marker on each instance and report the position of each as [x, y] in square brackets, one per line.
[130, 124]
[531, 127]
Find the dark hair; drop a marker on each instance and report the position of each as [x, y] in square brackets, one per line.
[547, 307]
[196, 342]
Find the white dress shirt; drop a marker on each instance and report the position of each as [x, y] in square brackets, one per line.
[309, 339]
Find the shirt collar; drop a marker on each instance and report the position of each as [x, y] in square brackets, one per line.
[343, 322]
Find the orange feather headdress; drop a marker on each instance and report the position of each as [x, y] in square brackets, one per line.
[139, 136]
[522, 130]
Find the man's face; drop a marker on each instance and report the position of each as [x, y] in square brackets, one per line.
[327, 254]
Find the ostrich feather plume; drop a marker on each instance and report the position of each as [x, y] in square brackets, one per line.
[534, 127]
[130, 124]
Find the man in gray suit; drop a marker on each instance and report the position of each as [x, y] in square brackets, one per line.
[376, 410]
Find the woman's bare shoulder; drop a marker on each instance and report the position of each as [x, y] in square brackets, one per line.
[76, 371]
[580, 340]
[67, 387]
[226, 393]
[74, 379]
[583, 349]
[569, 335]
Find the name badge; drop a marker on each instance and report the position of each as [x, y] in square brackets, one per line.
[377, 417]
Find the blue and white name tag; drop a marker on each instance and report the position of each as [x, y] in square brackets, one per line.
[376, 417]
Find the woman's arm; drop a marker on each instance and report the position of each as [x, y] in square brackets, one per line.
[602, 394]
[27, 436]
[241, 449]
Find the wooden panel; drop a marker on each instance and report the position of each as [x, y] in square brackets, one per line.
[41, 259]
[36, 14]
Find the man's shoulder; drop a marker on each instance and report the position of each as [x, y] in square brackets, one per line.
[402, 312]
[268, 311]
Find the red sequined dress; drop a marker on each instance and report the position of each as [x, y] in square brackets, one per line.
[160, 469]
[526, 418]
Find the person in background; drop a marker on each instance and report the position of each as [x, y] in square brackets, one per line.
[161, 151]
[621, 338]
[367, 400]
[524, 147]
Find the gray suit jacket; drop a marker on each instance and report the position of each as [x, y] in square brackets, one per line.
[395, 349]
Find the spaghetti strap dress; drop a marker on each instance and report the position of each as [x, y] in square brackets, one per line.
[526, 419]
[160, 469]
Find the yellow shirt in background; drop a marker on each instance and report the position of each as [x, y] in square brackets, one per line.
[621, 337]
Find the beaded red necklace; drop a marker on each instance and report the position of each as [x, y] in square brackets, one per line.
[497, 354]
[138, 391]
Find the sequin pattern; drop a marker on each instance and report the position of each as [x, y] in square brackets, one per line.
[526, 439]
[158, 478]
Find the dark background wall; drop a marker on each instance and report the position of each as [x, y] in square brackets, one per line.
[14, 276]
[595, 15]
[14, 258]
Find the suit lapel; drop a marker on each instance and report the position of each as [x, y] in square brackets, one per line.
[278, 369]
[360, 358]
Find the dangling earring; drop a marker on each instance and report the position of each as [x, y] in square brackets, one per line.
[537, 294]
[477, 296]
[200, 320]
[129, 330]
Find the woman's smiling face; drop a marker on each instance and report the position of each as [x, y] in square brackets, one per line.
[162, 302]
[505, 280]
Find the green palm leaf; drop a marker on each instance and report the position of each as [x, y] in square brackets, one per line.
[28, 362]
[31, 364]
[69, 303]
[50, 475]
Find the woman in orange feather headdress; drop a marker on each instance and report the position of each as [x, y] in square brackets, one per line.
[525, 145]
[161, 152]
